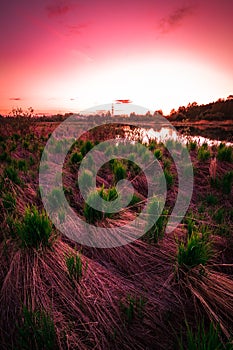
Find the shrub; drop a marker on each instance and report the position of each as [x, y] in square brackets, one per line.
[224, 153]
[37, 331]
[203, 153]
[35, 229]
[74, 265]
[195, 251]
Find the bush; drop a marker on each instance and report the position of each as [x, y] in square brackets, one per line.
[224, 153]
[35, 229]
[203, 153]
[37, 331]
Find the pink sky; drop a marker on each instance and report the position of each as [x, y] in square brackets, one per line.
[64, 55]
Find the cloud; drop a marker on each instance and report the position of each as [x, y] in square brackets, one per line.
[175, 18]
[58, 8]
[76, 29]
[15, 99]
[123, 101]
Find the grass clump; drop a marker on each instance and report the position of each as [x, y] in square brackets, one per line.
[156, 231]
[55, 198]
[22, 165]
[91, 214]
[35, 229]
[158, 154]
[11, 173]
[76, 158]
[86, 147]
[224, 153]
[37, 331]
[227, 181]
[211, 199]
[192, 145]
[85, 180]
[196, 250]
[203, 153]
[132, 308]
[168, 177]
[203, 339]
[9, 202]
[74, 266]
[119, 170]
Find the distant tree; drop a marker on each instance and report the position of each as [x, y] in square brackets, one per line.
[23, 119]
[230, 97]
[19, 112]
[159, 111]
[173, 111]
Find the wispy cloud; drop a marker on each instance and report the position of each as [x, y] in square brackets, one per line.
[123, 101]
[15, 99]
[59, 8]
[175, 18]
[76, 29]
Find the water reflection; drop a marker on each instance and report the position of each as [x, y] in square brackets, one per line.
[164, 134]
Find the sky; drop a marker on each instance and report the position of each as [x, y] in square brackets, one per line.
[62, 56]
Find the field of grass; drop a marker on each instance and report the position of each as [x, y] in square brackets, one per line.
[163, 291]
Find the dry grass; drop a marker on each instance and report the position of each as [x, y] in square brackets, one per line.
[87, 313]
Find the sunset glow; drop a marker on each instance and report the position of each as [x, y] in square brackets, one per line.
[65, 56]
